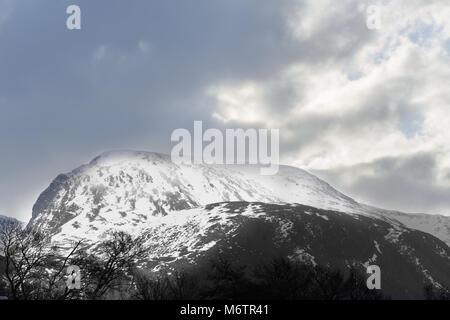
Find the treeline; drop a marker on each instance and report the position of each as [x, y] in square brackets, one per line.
[31, 268]
[279, 279]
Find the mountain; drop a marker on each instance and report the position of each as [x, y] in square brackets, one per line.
[189, 212]
[131, 187]
[253, 233]
[128, 187]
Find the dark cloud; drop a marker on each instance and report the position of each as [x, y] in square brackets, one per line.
[66, 96]
[402, 183]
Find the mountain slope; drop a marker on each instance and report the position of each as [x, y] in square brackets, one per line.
[437, 225]
[253, 233]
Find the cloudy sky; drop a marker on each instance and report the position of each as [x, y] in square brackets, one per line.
[366, 110]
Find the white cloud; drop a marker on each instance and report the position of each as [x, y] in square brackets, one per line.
[99, 53]
[144, 46]
[371, 95]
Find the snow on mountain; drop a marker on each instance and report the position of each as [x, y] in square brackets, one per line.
[437, 225]
[130, 189]
[133, 187]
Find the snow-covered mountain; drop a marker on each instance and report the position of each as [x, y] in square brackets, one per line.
[128, 188]
[187, 212]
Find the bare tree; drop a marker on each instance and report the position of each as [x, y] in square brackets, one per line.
[183, 285]
[24, 252]
[154, 287]
[109, 265]
[179, 285]
[55, 287]
[32, 268]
